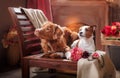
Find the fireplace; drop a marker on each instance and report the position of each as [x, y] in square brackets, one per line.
[66, 12]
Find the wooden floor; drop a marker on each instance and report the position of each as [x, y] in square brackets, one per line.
[16, 73]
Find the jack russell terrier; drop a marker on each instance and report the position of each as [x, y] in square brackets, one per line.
[85, 41]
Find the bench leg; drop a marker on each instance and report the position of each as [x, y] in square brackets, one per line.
[25, 68]
[52, 70]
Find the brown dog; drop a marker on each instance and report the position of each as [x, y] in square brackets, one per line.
[55, 38]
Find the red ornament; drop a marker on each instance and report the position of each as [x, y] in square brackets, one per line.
[111, 30]
[95, 55]
[106, 30]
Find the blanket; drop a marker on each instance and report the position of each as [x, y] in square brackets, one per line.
[96, 69]
[36, 16]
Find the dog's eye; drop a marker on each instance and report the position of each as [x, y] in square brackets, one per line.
[80, 29]
[87, 29]
[48, 28]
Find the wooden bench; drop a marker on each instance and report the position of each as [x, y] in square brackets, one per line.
[30, 48]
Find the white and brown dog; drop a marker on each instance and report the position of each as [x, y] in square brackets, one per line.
[85, 41]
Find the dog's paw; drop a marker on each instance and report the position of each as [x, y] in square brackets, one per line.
[55, 56]
[46, 55]
[67, 49]
[68, 55]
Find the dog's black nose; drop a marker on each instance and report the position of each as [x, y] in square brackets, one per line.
[80, 33]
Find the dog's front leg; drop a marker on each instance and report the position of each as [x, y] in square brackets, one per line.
[68, 55]
[45, 47]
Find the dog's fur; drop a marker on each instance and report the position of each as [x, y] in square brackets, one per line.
[55, 38]
[85, 41]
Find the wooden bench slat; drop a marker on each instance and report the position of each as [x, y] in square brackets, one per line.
[28, 34]
[23, 22]
[22, 17]
[33, 45]
[28, 28]
[17, 10]
[32, 39]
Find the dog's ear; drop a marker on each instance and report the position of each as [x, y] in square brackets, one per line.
[36, 32]
[58, 32]
[93, 27]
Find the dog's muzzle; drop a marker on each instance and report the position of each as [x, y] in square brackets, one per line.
[81, 34]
